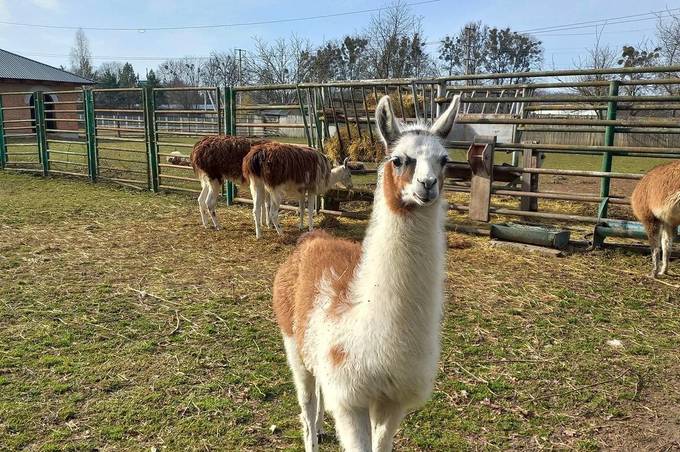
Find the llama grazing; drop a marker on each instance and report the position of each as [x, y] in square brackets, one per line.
[656, 203]
[277, 168]
[216, 159]
[361, 322]
[179, 159]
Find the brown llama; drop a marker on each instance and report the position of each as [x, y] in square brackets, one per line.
[656, 203]
[215, 159]
[277, 168]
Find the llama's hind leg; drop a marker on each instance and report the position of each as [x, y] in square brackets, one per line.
[258, 193]
[275, 199]
[202, 202]
[385, 420]
[213, 193]
[305, 384]
[654, 236]
[667, 233]
[301, 211]
[353, 427]
[311, 206]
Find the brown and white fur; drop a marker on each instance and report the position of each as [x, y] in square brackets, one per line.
[656, 203]
[215, 159]
[361, 323]
[274, 169]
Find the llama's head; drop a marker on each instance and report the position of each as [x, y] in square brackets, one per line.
[414, 172]
[343, 175]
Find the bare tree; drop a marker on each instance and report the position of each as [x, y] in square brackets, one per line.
[597, 57]
[668, 37]
[465, 53]
[177, 73]
[396, 47]
[283, 62]
[81, 57]
[221, 69]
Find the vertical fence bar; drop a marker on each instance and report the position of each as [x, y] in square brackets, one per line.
[41, 134]
[331, 105]
[90, 133]
[3, 147]
[230, 128]
[609, 133]
[218, 103]
[315, 114]
[414, 93]
[368, 117]
[150, 129]
[356, 115]
[304, 117]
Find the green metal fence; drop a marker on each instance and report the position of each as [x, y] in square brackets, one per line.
[590, 129]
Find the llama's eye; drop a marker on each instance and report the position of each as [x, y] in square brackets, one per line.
[444, 160]
[396, 161]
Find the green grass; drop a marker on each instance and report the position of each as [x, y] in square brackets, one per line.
[125, 325]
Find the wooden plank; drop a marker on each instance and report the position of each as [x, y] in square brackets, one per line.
[526, 248]
[480, 157]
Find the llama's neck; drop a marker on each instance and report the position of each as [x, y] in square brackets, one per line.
[401, 271]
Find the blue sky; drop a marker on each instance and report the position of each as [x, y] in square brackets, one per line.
[439, 18]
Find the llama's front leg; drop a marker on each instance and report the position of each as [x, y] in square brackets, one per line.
[353, 427]
[667, 233]
[319, 411]
[305, 384]
[202, 205]
[385, 420]
[213, 193]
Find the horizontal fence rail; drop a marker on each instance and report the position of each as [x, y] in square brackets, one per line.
[570, 144]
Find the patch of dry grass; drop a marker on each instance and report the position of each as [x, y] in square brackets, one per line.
[126, 325]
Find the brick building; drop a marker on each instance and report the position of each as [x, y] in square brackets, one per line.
[20, 77]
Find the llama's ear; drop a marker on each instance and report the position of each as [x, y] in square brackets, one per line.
[387, 122]
[442, 127]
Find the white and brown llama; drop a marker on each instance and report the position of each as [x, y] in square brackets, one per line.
[274, 169]
[656, 203]
[217, 158]
[361, 323]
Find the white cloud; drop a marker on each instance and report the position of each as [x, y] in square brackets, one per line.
[51, 5]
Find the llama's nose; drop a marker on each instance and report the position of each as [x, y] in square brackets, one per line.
[428, 182]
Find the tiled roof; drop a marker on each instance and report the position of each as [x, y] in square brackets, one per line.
[13, 66]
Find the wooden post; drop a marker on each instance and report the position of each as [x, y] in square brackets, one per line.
[530, 181]
[480, 157]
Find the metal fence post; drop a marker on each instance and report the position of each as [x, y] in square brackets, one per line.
[609, 133]
[3, 148]
[90, 131]
[40, 133]
[150, 129]
[229, 129]
[304, 117]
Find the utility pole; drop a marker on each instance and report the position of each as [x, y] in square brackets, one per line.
[240, 70]
[468, 45]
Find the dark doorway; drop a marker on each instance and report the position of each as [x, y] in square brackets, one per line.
[50, 122]
[50, 117]
[31, 103]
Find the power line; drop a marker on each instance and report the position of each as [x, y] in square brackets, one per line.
[607, 21]
[203, 27]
